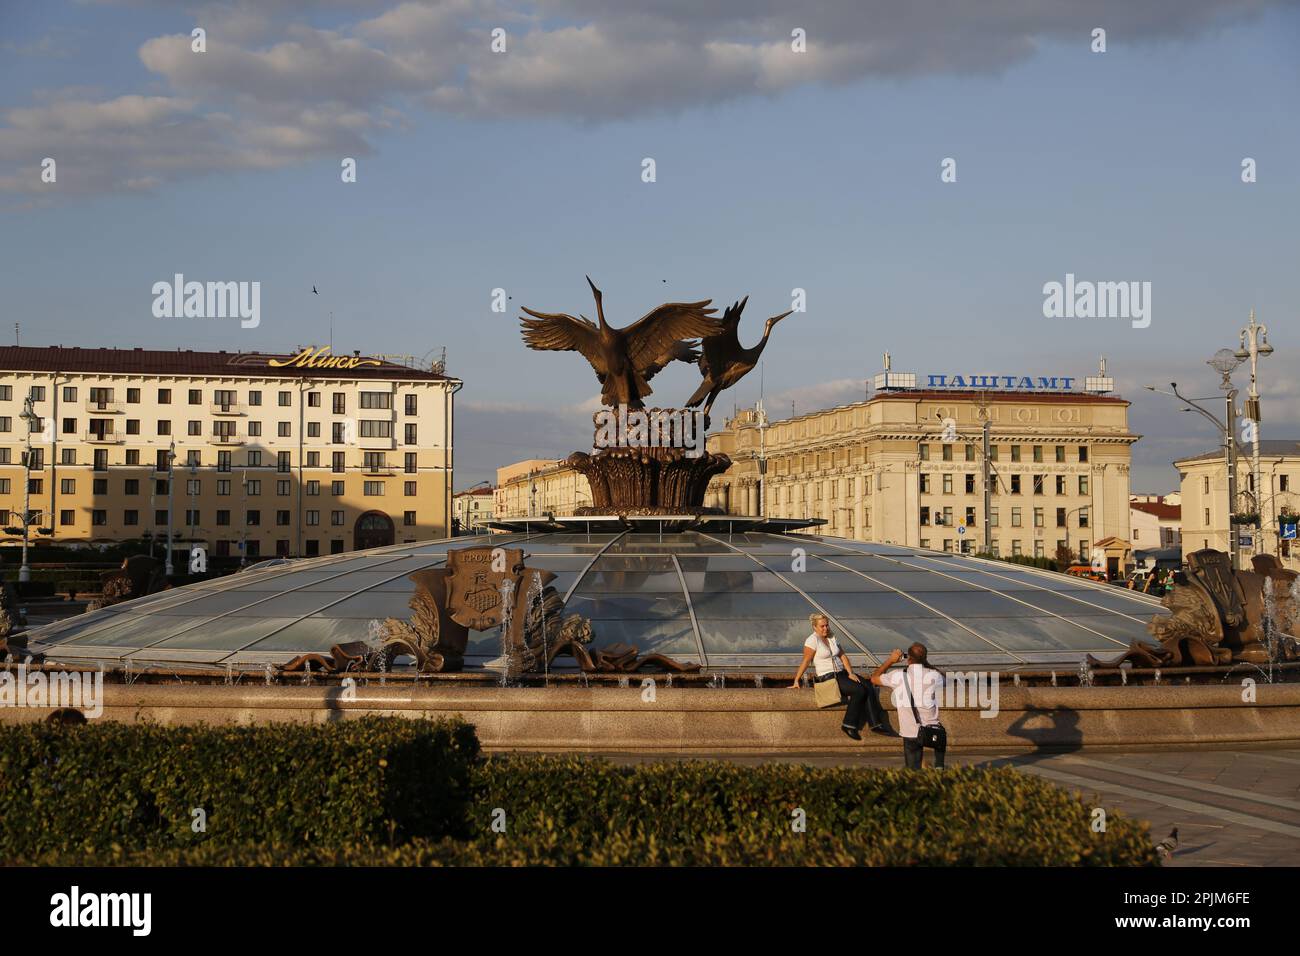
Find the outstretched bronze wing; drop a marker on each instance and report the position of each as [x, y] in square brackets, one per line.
[677, 352]
[653, 334]
[557, 332]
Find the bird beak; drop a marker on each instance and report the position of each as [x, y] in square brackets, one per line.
[777, 318]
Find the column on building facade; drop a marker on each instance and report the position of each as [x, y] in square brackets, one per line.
[860, 506]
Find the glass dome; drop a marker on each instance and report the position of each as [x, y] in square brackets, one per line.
[722, 598]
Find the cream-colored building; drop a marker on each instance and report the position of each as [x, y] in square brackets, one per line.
[1204, 487]
[1155, 522]
[906, 465]
[473, 509]
[292, 455]
[539, 486]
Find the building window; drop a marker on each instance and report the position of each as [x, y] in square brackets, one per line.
[1060, 453]
[223, 486]
[99, 486]
[336, 545]
[1015, 518]
[408, 519]
[1060, 484]
[409, 436]
[254, 429]
[1015, 455]
[313, 488]
[336, 463]
[164, 428]
[412, 468]
[286, 399]
[925, 452]
[194, 458]
[313, 547]
[1282, 483]
[253, 517]
[194, 486]
[1038, 517]
[284, 430]
[1083, 518]
[101, 459]
[925, 516]
[225, 397]
[98, 517]
[970, 484]
[313, 459]
[37, 393]
[925, 484]
[196, 396]
[131, 486]
[1015, 484]
[993, 517]
[336, 488]
[282, 518]
[282, 489]
[340, 403]
[133, 426]
[133, 396]
[1207, 517]
[69, 426]
[408, 488]
[1083, 453]
[313, 518]
[376, 399]
[947, 484]
[160, 516]
[253, 487]
[947, 516]
[223, 517]
[130, 518]
[67, 517]
[374, 461]
[6, 394]
[196, 427]
[375, 428]
[1060, 517]
[1083, 484]
[164, 396]
[223, 461]
[1038, 483]
[255, 397]
[313, 399]
[338, 432]
[6, 424]
[970, 452]
[132, 458]
[254, 459]
[313, 429]
[947, 452]
[970, 517]
[336, 518]
[374, 488]
[282, 462]
[192, 518]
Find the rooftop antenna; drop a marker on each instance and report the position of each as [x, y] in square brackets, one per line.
[16, 329]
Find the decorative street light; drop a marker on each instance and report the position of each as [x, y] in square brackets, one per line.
[171, 457]
[1254, 343]
[30, 418]
[1223, 362]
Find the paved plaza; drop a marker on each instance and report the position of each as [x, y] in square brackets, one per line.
[1231, 807]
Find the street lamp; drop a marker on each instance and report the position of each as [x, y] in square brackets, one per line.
[171, 457]
[1254, 343]
[1223, 362]
[30, 418]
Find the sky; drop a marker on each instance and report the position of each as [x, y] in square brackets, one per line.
[794, 147]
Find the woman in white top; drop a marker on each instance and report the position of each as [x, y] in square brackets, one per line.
[831, 663]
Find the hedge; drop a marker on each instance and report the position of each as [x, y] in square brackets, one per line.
[103, 785]
[295, 809]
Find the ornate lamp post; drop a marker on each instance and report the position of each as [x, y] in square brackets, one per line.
[171, 457]
[1254, 343]
[30, 418]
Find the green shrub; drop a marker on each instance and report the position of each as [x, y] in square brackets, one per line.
[105, 785]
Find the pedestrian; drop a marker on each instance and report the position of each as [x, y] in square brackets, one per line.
[916, 698]
[830, 662]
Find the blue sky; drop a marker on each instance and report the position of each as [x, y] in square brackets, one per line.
[773, 173]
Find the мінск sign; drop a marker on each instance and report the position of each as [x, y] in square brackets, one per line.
[1056, 383]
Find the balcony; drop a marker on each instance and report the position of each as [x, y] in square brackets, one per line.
[228, 439]
[226, 408]
[106, 408]
[103, 438]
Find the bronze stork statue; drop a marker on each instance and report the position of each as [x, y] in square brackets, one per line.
[723, 362]
[625, 359]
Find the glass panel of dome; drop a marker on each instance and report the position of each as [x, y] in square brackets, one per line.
[866, 563]
[672, 637]
[230, 634]
[650, 607]
[624, 581]
[967, 604]
[882, 635]
[718, 562]
[870, 605]
[357, 581]
[1119, 628]
[722, 604]
[769, 635]
[1039, 633]
[293, 605]
[313, 634]
[747, 581]
[918, 582]
[129, 630]
[371, 604]
[212, 605]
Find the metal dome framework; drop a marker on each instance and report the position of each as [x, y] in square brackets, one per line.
[727, 597]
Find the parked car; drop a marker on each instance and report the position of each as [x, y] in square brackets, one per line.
[1086, 571]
